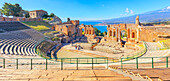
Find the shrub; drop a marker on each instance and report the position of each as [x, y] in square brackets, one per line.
[55, 39]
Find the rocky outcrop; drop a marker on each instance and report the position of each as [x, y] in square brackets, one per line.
[56, 20]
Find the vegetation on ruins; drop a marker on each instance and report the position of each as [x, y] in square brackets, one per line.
[15, 10]
[98, 32]
[48, 17]
[55, 39]
[39, 26]
[156, 23]
[123, 34]
[51, 33]
[44, 47]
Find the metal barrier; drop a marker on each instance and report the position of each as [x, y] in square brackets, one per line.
[146, 62]
[20, 62]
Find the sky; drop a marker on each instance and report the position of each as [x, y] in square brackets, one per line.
[85, 10]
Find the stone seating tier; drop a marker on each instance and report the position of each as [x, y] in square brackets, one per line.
[12, 26]
[18, 41]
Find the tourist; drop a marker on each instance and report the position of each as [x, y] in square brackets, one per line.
[75, 46]
[71, 43]
[78, 47]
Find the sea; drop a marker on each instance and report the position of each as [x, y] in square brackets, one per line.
[101, 28]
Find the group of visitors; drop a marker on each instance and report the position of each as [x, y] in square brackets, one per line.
[78, 47]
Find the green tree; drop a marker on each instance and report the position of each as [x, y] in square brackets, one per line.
[52, 15]
[26, 13]
[45, 16]
[98, 32]
[104, 33]
[17, 11]
[0, 12]
[6, 9]
[9, 9]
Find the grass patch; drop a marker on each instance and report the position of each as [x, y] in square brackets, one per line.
[51, 33]
[39, 26]
[48, 19]
[141, 45]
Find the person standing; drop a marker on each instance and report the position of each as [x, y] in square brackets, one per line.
[75, 46]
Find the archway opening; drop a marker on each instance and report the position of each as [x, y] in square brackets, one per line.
[110, 33]
[69, 33]
[63, 40]
[114, 34]
[83, 31]
[123, 37]
[89, 31]
[133, 34]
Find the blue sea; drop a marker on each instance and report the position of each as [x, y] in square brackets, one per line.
[101, 28]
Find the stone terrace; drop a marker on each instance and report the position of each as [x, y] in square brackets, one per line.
[151, 74]
[61, 75]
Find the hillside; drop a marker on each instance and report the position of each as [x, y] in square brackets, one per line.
[152, 16]
[39, 26]
[157, 23]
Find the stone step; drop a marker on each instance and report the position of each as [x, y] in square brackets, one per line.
[6, 49]
[3, 48]
[11, 50]
[15, 50]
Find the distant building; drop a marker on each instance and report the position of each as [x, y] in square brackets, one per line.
[37, 13]
[69, 28]
[72, 28]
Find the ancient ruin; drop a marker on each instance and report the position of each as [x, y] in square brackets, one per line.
[137, 32]
[73, 29]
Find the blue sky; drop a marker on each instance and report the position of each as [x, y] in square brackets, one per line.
[91, 9]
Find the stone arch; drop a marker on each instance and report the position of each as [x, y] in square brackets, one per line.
[89, 30]
[123, 34]
[81, 31]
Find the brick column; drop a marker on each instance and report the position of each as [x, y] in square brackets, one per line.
[116, 34]
[112, 33]
[119, 35]
[138, 33]
[108, 32]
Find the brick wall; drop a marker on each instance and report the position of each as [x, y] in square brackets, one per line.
[19, 19]
[152, 34]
